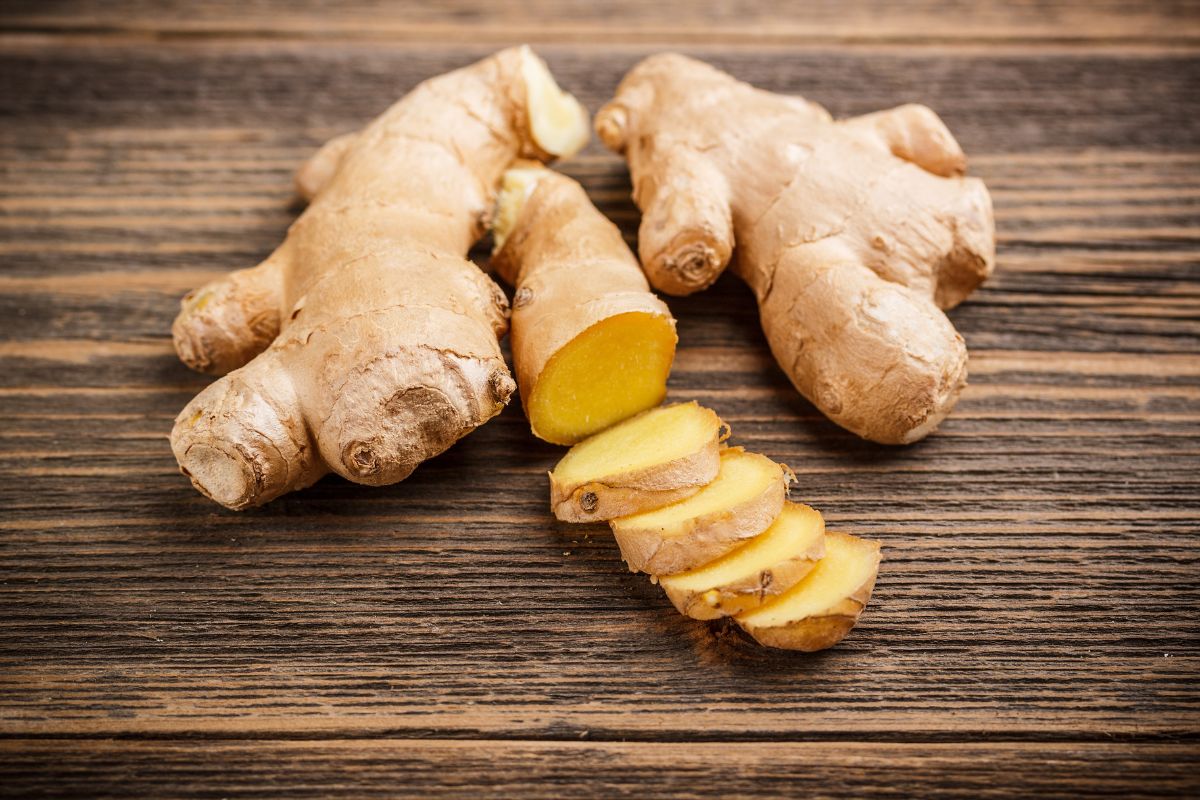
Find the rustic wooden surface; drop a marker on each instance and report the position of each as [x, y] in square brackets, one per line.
[1034, 629]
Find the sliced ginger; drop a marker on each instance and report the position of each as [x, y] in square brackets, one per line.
[653, 459]
[770, 564]
[821, 609]
[727, 545]
[592, 345]
[740, 503]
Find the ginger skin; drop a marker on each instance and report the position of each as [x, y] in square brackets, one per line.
[854, 235]
[591, 344]
[367, 342]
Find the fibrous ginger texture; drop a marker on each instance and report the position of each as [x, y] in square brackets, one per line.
[854, 235]
[367, 342]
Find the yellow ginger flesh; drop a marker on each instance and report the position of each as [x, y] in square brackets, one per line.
[613, 370]
[797, 530]
[849, 562]
[655, 437]
[591, 343]
[743, 476]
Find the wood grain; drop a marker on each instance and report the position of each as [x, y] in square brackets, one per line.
[1034, 629]
[741, 22]
[531, 770]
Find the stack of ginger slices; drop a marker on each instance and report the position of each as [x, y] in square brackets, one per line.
[713, 526]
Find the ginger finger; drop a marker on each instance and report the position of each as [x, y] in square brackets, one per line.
[591, 343]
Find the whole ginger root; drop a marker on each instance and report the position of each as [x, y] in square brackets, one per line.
[854, 235]
[367, 342]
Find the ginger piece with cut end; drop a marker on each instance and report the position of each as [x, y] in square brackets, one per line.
[821, 609]
[855, 236]
[591, 343]
[766, 566]
[367, 342]
[741, 502]
[648, 461]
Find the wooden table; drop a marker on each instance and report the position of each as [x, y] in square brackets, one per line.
[1034, 629]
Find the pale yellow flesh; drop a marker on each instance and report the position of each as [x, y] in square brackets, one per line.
[515, 188]
[742, 477]
[655, 437]
[796, 530]
[848, 563]
[558, 122]
[613, 370]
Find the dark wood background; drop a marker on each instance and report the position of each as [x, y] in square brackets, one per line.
[1035, 625]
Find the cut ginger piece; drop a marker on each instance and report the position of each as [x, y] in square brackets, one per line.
[741, 502]
[591, 343]
[650, 460]
[768, 565]
[821, 609]
[613, 370]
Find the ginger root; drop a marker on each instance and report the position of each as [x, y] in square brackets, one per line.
[768, 565]
[740, 503]
[591, 343]
[821, 609]
[367, 342]
[854, 235]
[651, 460]
[734, 547]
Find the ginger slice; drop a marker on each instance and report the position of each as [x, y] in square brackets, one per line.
[650, 460]
[741, 502]
[591, 343]
[821, 609]
[770, 564]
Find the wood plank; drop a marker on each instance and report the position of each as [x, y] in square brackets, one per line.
[618, 21]
[434, 769]
[1046, 99]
